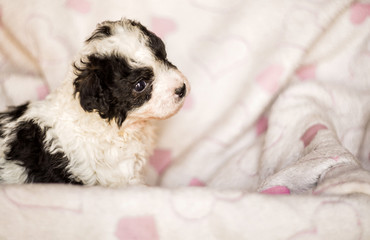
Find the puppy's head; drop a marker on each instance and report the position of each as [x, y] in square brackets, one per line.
[124, 72]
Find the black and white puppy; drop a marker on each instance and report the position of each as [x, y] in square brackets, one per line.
[96, 129]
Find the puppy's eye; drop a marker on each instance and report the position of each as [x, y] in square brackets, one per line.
[140, 86]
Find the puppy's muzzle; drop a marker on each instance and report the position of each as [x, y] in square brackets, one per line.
[181, 91]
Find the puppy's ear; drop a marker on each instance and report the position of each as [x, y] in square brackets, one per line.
[102, 30]
[90, 87]
[99, 90]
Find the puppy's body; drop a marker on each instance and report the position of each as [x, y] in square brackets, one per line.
[97, 127]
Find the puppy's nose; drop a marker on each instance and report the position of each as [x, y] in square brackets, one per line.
[181, 91]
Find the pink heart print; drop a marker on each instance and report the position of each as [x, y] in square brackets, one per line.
[161, 159]
[81, 6]
[163, 26]
[359, 13]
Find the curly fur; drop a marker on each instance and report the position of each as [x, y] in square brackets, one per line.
[96, 128]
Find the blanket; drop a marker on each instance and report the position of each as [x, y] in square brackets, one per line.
[273, 141]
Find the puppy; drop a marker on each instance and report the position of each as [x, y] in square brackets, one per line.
[97, 128]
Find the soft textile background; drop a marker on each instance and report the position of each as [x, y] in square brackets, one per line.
[240, 57]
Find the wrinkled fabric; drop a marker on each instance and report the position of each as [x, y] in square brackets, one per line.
[273, 141]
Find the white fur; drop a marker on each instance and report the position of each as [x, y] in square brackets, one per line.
[99, 152]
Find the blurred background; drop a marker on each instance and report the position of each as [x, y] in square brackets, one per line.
[238, 56]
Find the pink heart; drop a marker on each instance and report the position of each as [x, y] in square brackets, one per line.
[269, 78]
[161, 159]
[195, 182]
[163, 26]
[359, 12]
[261, 125]
[134, 228]
[81, 6]
[42, 92]
[306, 72]
[277, 190]
[189, 103]
[335, 158]
[310, 133]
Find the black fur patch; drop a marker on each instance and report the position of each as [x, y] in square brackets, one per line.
[101, 32]
[12, 114]
[29, 151]
[155, 44]
[106, 84]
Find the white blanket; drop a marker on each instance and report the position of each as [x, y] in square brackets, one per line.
[272, 143]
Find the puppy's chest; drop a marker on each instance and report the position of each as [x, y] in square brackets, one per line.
[115, 147]
[114, 157]
[130, 145]
[124, 160]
